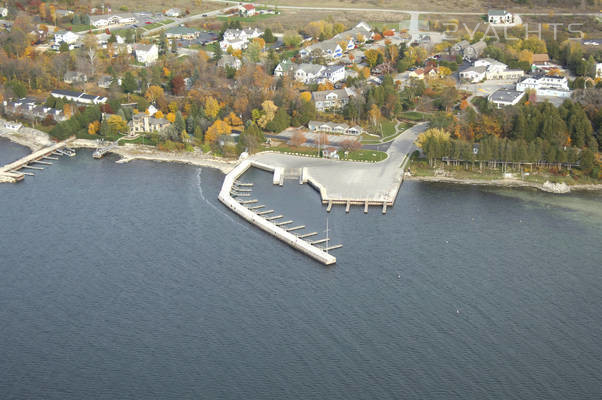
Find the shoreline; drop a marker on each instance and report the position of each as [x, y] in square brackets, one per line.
[35, 140]
[548, 187]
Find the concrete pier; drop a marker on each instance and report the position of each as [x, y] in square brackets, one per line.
[262, 223]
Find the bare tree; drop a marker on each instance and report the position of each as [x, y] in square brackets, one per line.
[298, 139]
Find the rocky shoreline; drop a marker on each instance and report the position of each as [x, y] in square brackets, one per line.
[549, 187]
[35, 140]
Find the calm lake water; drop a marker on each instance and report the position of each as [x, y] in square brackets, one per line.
[132, 281]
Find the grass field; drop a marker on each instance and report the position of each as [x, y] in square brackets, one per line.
[445, 5]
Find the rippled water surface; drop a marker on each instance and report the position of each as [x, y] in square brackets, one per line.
[132, 281]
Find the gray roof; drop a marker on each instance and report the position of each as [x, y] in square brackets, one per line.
[341, 93]
[498, 12]
[309, 68]
[505, 95]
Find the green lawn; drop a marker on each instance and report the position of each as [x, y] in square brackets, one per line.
[414, 116]
[76, 28]
[247, 19]
[148, 27]
[364, 155]
[389, 132]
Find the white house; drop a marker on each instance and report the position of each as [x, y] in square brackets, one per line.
[473, 74]
[546, 85]
[99, 21]
[146, 53]
[3, 12]
[334, 127]
[498, 17]
[331, 99]
[329, 49]
[308, 73]
[66, 36]
[239, 38]
[599, 70]
[333, 74]
[247, 10]
[505, 97]
[229, 61]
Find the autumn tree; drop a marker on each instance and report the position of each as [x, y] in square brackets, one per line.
[212, 107]
[269, 111]
[154, 93]
[117, 124]
[217, 129]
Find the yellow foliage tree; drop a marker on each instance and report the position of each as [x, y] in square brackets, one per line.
[327, 85]
[93, 127]
[233, 120]
[117, 124]
[159, 114]
[526, 55]
[166, 72]
[305, 96]
[269, 111]
[173, 107]
[153, 93]
[217, 129]
[212, 107]
[433, 133]
[171, 117]
[68, 110]
[260, 42]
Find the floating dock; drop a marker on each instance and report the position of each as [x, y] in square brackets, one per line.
[283, 234]
[11, 172]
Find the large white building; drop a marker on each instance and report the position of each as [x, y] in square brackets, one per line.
[490, 69]
[146, 53]
[599, 70]
[546, 85]
[78, 97]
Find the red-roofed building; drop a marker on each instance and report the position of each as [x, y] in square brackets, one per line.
[247, 10]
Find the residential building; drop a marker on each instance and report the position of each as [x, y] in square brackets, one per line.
[100, 21]
[182, 32]
[490, 69]
[499, 17]
[239, 38]
[308, 73]
[334, 127]
[311, 73]
[247, 10]
[329, 49]
[474, 51]
[75, 77]
[229, 61]
[546, 85]
[599, 70]
[174, 12]
[31, 109]
[332, 99]
[66, 36]
[505, 97]
[427, 72]
[146, 53]
[144, 123]
[105, 81]
[78, 97]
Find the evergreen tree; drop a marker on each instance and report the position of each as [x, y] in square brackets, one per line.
[129, 83]
[179, 123]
